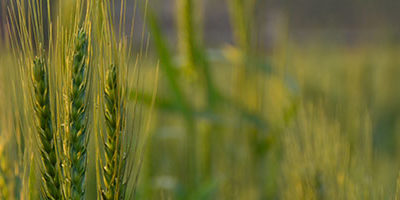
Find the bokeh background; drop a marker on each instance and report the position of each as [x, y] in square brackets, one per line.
[268, 99]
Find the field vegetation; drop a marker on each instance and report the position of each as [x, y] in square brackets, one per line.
[94, 104]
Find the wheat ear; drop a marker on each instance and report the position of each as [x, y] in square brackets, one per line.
[114, 166]
[50, 176]
[78, 132]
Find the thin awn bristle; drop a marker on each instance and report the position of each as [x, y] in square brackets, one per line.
[50, 176]
[78, 132]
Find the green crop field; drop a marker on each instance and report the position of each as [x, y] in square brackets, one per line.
[109, 99]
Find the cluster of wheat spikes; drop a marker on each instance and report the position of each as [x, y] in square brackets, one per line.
[65, 81]
[73, 173]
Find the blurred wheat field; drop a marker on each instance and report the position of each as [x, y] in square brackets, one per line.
[138, 114]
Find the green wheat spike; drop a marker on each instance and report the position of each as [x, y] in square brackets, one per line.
[50, 176]
[78, 118]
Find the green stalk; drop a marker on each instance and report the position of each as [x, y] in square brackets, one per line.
[169, 69]
[44, 128]
[241, 18]
[78, 132]
[194, 53]
[186, 31]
